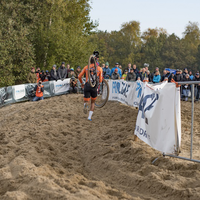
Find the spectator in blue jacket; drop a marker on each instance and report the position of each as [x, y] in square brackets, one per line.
[156, 77]
[116, 67]
[191, 75]
[106, 71]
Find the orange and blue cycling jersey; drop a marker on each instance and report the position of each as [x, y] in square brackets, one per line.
[85, 71]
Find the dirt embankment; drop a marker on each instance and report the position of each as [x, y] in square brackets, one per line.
[49, 150]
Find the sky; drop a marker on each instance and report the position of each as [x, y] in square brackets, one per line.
[172, 15]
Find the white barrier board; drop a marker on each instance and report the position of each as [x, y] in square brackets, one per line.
[61, 86]
[19, 92]
[125, 92]
[159, 121]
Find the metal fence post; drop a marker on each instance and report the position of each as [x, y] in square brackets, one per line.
[192, 121]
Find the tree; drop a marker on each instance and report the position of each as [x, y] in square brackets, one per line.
[16, 52]
[191, 41]
[173, 53]
[63, 33]
[152, 51]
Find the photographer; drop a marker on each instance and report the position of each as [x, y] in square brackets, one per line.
[73, 85]
[39, 89]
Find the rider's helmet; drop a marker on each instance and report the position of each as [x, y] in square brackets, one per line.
[146, 64]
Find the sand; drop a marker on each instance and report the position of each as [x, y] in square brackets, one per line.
[49, 150]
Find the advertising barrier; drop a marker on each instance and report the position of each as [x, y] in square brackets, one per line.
[158, 121]
[125, 92]
[24, 92]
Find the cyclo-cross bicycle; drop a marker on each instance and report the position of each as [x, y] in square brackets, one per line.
[102, 88]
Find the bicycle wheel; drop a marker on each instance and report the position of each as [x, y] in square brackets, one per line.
[102, 94]
[92, 77]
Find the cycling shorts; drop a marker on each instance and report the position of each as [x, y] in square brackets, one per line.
[90, 91]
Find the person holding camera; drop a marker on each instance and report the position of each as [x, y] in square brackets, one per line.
[46, 76]
[73, 85]
[39, 89]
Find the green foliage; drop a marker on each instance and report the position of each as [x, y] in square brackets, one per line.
[41, 33]
[16, 52]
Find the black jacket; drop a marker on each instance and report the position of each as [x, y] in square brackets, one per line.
[168, 75]
[186, 86]
[53, 76]
[131, 76]
[178, 77]
[150, 77]
[197, 79]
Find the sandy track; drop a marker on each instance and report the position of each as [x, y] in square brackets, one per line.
[49, 150]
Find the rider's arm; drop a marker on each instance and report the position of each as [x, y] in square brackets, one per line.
[100, 75]
[81, 74]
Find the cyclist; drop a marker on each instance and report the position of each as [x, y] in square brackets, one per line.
[88, 90]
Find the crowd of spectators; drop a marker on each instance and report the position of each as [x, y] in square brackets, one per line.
[39, 76]
[130, 73]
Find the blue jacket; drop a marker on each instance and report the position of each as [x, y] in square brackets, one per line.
[106, 73]
[156, 78]
[191, 77]
[119, 71]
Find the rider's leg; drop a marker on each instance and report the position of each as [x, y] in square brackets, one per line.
[86, 101]
[86, 98]
[91, 108]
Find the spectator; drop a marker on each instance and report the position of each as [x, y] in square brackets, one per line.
[197, 86]
[136, 71]
[156, 77]
[149, 76]
[118, 70]
[120, 67]
[102, 66]
[143, 74]
[62, 72]
[131, 76]
[71, 73]
[43, 76]
[115, 75]
[46, 76]
[178, 76]
[186, 87]
[185, 72]
[191, 75]
[78, 71]
[73, 85]
[128, 68]
[125, 74]
[68, 70]
[32, 78]
[163, 76]
[168, 75]
[39, 89]
[38, 74]
[156, 70]
[54, 74]
[106, 71]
